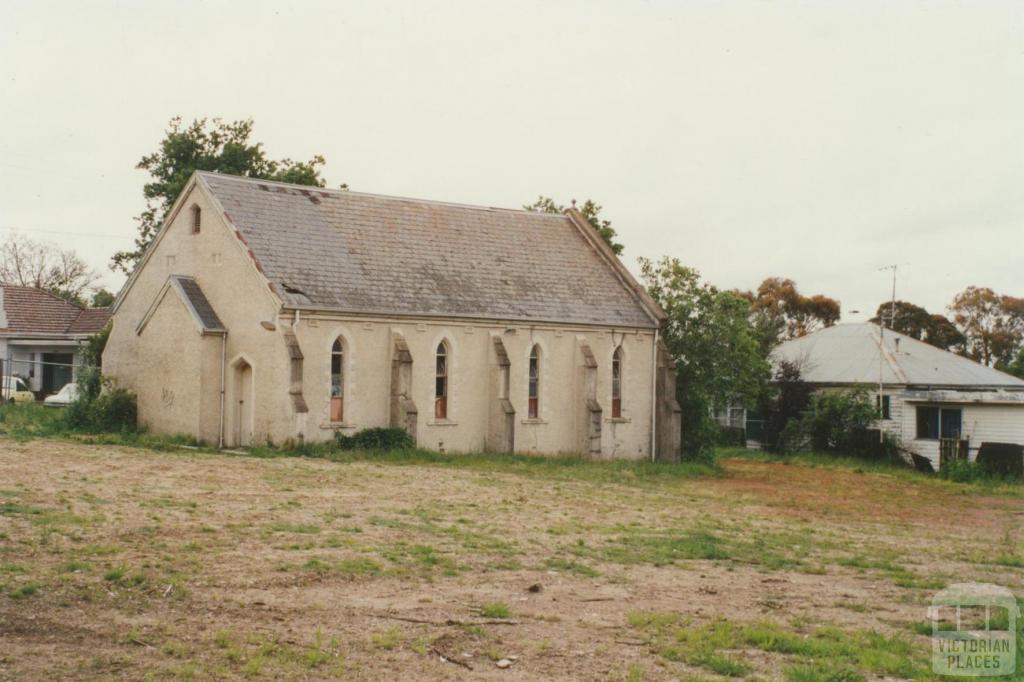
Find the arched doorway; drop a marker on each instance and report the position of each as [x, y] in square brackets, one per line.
[242, 405]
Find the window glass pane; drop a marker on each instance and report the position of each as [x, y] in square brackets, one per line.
[441, 387]
[927, 422]
[951, 423]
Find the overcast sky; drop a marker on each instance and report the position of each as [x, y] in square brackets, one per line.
[812, 140]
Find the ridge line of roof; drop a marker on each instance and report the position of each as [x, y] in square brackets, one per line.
[375, 195]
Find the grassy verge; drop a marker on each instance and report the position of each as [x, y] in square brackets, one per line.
[27, 422]
[994, 486]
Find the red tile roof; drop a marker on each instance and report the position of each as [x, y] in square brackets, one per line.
[34, 311]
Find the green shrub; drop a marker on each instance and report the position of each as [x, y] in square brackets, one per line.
[375, 439]
[732, 435]
[835, 421]
[115, 410]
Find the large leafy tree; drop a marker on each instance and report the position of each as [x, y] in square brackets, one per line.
[62, 272]
[590, 210]
[710, 335]
[206, 145]
[780, 312]
[917, 323]
[993, 324]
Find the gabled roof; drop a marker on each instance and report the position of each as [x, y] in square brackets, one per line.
[28, 311]
[849, 354]
[194, 300]
[365, 253]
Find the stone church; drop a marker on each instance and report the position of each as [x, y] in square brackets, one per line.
[267, 312]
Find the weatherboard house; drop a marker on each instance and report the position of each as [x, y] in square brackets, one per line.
[928, 395]
[273, 312]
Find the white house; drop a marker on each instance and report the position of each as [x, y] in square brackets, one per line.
[927, 394]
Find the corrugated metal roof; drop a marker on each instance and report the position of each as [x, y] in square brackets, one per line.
[849, 353]
[366, 253]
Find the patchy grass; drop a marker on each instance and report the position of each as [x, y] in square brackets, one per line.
[220, 567]
[810, 652]
[495, 610]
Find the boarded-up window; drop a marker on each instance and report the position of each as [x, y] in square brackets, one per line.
[617, 383]
[338, 381]
[534, 404]
[441, 383]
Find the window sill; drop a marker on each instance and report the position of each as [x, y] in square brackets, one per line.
[337, 425]
[535, 420]
[442, 422]
[619, 420]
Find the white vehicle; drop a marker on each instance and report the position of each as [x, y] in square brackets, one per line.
[13, 389]
[63, 397]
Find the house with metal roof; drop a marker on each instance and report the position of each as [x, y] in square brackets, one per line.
[265, 311]
[40, 336]
[927, 395]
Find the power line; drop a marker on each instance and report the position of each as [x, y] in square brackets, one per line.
[11, 228]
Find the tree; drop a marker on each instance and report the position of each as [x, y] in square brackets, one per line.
[210, 146]
[590, 211]
[1016, 367]
[918, 323]
[102, 299]
[27, 263]
[784, 403]
[992, 324]
[717, 354]
[779, 311]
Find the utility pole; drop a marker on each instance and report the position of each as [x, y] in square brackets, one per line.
[881, 350]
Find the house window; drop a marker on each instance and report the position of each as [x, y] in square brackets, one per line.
[197, 219]
[617, 383]
[534, 405]
[338, 381]
[935, 422]
[441, 383]
[883, 405]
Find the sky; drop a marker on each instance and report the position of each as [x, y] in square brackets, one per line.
[818, 141]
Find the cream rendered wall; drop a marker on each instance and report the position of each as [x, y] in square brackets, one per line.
[368, 381]
[219, 262]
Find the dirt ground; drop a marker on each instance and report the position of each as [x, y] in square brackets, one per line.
[131, 564]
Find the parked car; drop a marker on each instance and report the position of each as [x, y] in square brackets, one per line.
[14, 390]
[63, 397]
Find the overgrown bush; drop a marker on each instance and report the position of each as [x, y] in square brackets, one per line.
[114, 410]
[732, 436]
[837, 421]
[375, 439]
[784, 403]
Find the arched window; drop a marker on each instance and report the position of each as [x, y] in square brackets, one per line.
[441, 383]
[534, 405]
[197, 219]
[617, 383]
[338, 381]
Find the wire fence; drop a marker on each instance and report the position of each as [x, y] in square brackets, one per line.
[34, 374]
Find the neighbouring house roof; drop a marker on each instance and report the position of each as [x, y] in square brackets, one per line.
[34, 312]
[849, 354]
[364, 253]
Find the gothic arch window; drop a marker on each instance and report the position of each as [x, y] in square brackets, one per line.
[338, 381]
[441, 382]
[533, 411]
[197, 219]
[617, 383]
